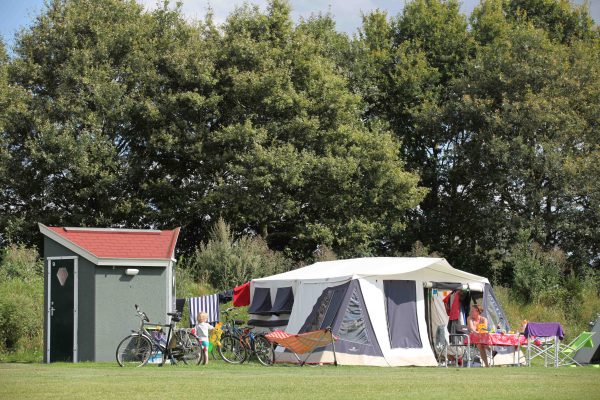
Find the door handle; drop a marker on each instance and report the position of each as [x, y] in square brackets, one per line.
[52, 309]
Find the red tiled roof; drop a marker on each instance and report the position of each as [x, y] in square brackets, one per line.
[122, 243]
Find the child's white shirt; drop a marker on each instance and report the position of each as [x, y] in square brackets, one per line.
[202, 330]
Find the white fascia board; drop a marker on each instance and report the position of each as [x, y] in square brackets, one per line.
[133, 262]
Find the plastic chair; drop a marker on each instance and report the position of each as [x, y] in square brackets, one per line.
[566, 353]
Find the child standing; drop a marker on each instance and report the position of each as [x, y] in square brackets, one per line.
[202, 329]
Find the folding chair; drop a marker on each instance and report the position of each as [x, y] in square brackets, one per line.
[304, 343]
[460, 344]
[543, 341]
[566, 353]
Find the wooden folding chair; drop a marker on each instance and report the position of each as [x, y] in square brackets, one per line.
[304, 343]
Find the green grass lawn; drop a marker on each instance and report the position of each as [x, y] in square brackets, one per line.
[223, 381]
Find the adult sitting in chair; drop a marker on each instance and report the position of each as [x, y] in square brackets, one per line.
[474, 321]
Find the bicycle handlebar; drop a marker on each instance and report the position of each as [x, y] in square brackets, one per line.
[141, 314]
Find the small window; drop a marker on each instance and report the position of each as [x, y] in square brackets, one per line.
[353, 327]
[261, 301]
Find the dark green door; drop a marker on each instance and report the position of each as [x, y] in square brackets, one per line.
[62, 278]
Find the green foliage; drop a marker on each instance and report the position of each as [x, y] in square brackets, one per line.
[537, 273]
[560, 18]
[137, 119]
[543, 290]
[21, 316]
[21, 302]
[21, 263]
[573, 319]
[225, 262]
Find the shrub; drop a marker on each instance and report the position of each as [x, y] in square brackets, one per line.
[225, 262]
[21, 315]
[537, 274]
[20, 262]
[21, 301]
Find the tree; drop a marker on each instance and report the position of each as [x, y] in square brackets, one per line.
[303, 169]
[407, 65]
[527, 108]
[142, 119]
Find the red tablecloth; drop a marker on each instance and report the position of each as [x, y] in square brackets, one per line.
[497, 339]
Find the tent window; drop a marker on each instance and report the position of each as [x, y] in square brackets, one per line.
[324, 303]
[284, 300]
[261, 301]
[401, 307]
[353, 327]
[325, 309]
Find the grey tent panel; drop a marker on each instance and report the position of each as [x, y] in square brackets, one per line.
[268, 323]
[401, 307]
[353, 325]
[342, 309]
[591, 355]
[325, 309]
[261, 302]
[446, 285]
[493, 310]
[284, 301]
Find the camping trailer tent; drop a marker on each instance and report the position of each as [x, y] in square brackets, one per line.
[93, 278]
[383, 309]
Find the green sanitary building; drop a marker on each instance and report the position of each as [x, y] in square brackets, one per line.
[93, 279]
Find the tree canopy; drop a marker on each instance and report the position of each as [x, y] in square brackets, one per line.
[459, 133]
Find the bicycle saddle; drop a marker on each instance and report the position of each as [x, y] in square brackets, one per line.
[176, 317]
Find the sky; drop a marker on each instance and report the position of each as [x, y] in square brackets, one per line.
[16, 14]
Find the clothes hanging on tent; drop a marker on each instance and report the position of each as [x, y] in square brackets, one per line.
[452, 302]
[241, 295]
[208, 304]
[226, 296]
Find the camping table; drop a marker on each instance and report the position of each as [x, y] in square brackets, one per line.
[499, 339]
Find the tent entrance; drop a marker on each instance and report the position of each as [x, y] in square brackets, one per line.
[342, 308]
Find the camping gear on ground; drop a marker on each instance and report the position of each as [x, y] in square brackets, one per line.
[385, 310]
[304, 343]
[543, 341]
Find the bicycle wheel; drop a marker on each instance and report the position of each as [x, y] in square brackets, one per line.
[232, 349]
[193, 349]
[263, 350]
[134, 351]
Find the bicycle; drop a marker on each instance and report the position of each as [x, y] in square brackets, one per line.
[258, 345]
[232, 348]
[238, 345]
[149, 341]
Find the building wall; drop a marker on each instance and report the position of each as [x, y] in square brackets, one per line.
[85, 326]
[106, 302]
[116, 295]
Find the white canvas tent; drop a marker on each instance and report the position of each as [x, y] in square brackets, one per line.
[377, 306]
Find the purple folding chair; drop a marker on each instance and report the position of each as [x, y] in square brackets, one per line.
[543, 340]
